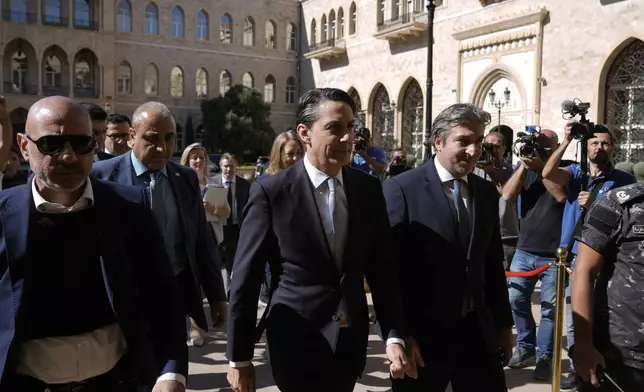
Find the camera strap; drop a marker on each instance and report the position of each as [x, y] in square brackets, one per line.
[580, 222]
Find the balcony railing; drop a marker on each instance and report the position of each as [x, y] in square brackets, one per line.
[55, 90]
[27, 89]
[55, 20]
[84, 24]
[398, 20]
[327, 43]
[10, 15]
[86, 92]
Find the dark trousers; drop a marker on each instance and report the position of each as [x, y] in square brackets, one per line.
[628, 378]
[509, 249]
[302, 359]
[459, 356]
[231, 238]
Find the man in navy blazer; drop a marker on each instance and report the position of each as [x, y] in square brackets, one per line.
[176, 202]
[447, 244]
[87, 297]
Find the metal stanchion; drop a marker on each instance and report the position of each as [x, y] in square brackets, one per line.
[560, 304]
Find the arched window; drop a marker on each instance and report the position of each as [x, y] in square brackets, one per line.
[269, 89]
[53, 71]
[381, 12]
[201, 83]
[203, 33]
[341, 31]
[19, 71]
[151, 19]
[354, 18]
[19, 11]
[625, 101]
[412, 135]
[314, 32]
[332, 23]
[226, 29]
[224, 82]
[82, 14]
[248, 80]
[290, 90]
[52, 12]
[325, 29]
[270, 35]
[360, 114]
[249, 32]
[86, 72]
[151, 80]
[124, 16]
[124, 81]
[176, 82]
[291, 37]
[177, 22]
[383, 117]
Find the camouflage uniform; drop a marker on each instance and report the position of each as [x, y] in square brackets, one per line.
[614, 228]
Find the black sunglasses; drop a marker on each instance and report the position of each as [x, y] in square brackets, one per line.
[55, 144]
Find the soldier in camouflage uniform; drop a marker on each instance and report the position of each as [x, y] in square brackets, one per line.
[609, 317]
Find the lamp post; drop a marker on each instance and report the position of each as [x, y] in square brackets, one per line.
[429, 84]
[500, 104]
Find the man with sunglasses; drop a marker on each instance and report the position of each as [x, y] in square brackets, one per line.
[87, 298]
[175, 198]
[99, 127]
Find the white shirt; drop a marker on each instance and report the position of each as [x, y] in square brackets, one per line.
[448, 184]
[74, 358]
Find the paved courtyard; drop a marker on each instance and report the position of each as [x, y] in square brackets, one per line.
[208, 366]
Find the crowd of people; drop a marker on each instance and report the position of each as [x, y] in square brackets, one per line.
[109, 248]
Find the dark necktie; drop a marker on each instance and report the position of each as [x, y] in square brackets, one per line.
[229, 198]
[156, 199]
[463, 217]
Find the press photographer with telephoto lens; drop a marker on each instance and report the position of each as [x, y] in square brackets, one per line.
[584, 185]
[493, 167]
[397, 164]
[540, 208]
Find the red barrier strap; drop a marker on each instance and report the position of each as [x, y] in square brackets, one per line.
[528, 274]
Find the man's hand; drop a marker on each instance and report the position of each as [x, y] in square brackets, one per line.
[399, 364]
[535, 164]
[219, 314]
[169, 386]
[242, 379]
[414, 357]
[583, 199]
[568, 131]
[4, 110]
[586, 361]
[507, 343]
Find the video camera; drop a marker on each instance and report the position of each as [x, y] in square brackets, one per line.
[398, 165]
[487, 154]
[571, 109]
[527, 143]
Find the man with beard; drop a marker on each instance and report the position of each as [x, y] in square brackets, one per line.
[87, 298]
[447, 243]
[601, 178]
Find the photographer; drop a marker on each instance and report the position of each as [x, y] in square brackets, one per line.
[369, 159]
[540, 207]
[398, 163]
[601, 178]
[493, 167]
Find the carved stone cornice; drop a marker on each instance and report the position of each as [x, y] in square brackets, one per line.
[492, 25]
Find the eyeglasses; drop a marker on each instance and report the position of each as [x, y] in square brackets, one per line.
[55, 144]
[118, 136]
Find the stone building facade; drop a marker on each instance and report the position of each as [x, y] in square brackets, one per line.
[121, 53]
[542, 52]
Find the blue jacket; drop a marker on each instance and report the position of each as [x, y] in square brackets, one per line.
[136, 273]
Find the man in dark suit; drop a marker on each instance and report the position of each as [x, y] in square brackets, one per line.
[176, 202]
[98, 115]
[238, 191]
[326, 224]
[447, 245]
[87, 298]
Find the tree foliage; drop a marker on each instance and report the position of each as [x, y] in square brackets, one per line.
[238, 123]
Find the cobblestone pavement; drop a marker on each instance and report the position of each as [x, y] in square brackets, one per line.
[208, 367]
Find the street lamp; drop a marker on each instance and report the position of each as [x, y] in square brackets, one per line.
[500, 104]
[429, 84]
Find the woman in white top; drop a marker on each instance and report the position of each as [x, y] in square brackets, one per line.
[196, 158]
